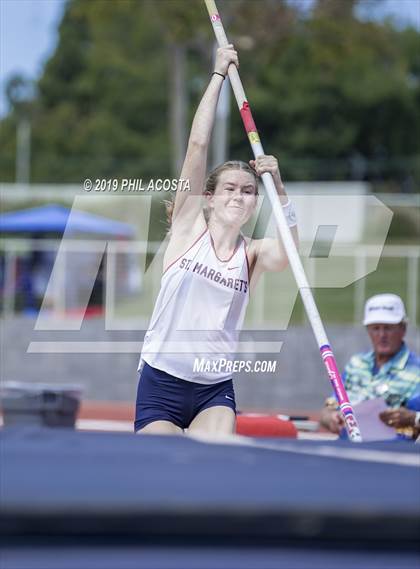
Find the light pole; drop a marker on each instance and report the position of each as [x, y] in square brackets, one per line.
[20, 94]
[220, 131]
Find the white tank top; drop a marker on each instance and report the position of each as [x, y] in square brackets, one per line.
[199, 313]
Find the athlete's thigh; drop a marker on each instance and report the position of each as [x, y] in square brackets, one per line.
[219, 419]
[160, 402]
[160, 428]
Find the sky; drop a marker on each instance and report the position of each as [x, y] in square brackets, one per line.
[29, 32]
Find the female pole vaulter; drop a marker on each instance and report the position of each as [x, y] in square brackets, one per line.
[209, 268]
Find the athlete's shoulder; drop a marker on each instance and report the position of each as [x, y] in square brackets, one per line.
[253, 247]
[180, 245]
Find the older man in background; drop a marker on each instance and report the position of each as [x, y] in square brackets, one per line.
[389, 370]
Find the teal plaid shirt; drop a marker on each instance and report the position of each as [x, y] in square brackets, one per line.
[397, 381]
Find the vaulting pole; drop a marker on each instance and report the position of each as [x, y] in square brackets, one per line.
[288, 243]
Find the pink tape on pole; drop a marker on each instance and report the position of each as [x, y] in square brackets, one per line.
[334, 375]
[247, 118]
[340, 392]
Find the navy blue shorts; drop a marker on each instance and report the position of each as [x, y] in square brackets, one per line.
[163, 397]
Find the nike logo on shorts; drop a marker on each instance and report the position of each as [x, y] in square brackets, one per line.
[227, 397]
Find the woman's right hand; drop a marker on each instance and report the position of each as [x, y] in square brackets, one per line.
[332, 420]
[224, 57]
[336, 422]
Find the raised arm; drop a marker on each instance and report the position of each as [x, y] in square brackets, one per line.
[188, 205]
[268, 254]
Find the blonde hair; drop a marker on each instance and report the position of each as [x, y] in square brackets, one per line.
[211, 183]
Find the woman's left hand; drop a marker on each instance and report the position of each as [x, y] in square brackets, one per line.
[270, 164]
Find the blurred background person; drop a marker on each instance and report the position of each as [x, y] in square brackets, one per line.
[390, 370]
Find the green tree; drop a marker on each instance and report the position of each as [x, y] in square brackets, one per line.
[339, 88]
[333, 96]
[102, 97]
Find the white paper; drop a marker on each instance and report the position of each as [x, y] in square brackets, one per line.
[370, 425]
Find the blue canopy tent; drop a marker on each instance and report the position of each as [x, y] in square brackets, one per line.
[57, 219]
[39, 222]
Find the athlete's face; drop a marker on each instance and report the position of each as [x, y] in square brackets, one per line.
[235, 197]
[386, 338]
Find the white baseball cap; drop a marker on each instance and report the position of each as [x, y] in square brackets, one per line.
[384, 309]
